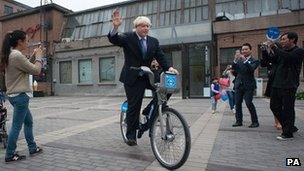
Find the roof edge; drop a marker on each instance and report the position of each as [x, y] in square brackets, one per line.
[103, 7]
[19, 4]
[35, 10]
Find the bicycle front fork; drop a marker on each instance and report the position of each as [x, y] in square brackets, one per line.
[165, 124]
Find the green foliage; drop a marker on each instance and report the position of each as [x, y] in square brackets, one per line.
[300, 96]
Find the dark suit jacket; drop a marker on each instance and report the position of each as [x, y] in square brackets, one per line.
[289, 64]
[266, 61]
[245, 73]
[133, 55]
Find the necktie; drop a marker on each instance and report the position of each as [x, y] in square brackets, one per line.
[143, 47]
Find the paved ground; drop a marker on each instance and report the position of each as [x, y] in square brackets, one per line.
[82, 133]
[244, 148]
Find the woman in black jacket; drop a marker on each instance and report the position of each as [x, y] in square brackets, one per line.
[267, 54]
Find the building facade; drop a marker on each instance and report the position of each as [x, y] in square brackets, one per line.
[43, 25]
[192, 34]
[86, 63]
[9, 6]
[287, 15]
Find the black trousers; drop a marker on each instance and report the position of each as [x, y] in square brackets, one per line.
[240, 94]
[282, 102]
[135, 96]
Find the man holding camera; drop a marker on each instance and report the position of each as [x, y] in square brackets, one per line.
[288, 60]
[245, 65]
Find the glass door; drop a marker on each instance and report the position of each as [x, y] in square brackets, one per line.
[196, 70]
[173, 55]
[199, 70]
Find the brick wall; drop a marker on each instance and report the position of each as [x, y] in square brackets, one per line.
[30, 23]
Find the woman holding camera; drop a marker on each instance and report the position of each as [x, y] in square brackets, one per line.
[17, 70]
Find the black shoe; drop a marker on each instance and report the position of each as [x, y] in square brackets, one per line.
[140, 133]
[15, 157]
[131, 142]
[254, 125]
[237, 124]
[294, 129]
[284, 138]
[37, 151]
[142, 129]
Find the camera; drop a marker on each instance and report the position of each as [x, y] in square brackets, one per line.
[264, 46]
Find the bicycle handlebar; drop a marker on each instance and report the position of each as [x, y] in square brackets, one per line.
[146, 70]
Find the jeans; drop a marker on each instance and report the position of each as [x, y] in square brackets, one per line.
[213, 103]
[231, 99]
[21, 115]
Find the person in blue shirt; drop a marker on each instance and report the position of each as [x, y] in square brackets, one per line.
[215, 90]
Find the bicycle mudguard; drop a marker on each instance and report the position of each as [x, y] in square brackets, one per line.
[124, 106]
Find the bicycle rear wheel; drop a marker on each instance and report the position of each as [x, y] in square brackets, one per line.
[3, 136]
[173, 149]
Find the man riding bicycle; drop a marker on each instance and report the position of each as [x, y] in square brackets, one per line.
[139, 50]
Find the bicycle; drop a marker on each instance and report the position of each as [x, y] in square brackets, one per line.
[3, 119]
[168, 130]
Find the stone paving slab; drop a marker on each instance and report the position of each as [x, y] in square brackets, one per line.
[82, 133]
[86, 135]
[243, 148]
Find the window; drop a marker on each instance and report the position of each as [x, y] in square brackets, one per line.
[87, 31]
[195, 11]
[107, 69]
[231, 7]
[79, 19]
[8, 10]
[106, 28]
[226, 57]
[65, 71]
[292, 4]
[269, 5]
[85, 70]
[81, 32]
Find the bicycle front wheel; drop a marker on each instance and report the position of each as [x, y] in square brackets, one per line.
[123, 125]
[171, 146]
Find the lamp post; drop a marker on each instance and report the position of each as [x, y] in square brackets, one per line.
[45, 25]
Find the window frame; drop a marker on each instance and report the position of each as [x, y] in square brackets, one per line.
[60, 71]
[8, 10]
[79, 61]
[100, 69]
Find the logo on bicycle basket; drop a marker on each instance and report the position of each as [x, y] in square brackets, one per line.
[170, 81]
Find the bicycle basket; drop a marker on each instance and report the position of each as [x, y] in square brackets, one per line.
[124, 106]
[169, 82]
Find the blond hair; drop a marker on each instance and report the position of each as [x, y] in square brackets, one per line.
[141, 20]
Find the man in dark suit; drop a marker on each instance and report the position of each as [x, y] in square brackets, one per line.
[288, 60]
[245, 85]
[139, 50]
